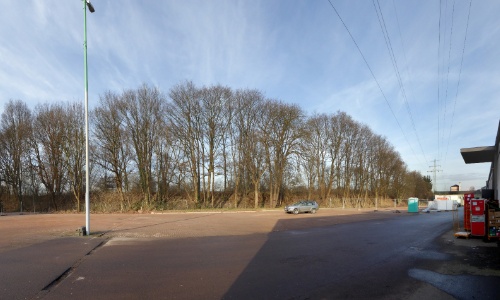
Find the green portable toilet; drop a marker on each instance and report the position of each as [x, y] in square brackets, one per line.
[413, 205]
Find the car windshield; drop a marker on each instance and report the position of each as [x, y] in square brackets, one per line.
[298, 203]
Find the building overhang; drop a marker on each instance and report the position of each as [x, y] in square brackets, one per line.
[478, 154]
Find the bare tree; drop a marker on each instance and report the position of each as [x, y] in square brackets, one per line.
[281, 129]
[15, 133]
[336, 135]
[215, 125]
[398, 178]
[142, 110]
[249, 150]
[73, 147]
[316, 158]
[113, 149]
[184, 116]
[360, 163]
[168, 153]
[350, 129]
[47, 143]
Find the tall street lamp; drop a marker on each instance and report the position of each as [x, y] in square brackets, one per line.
[86, 3]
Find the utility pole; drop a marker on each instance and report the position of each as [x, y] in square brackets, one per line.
[86, 3]
[434, 171]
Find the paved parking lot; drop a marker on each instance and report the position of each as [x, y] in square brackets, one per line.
[38, 249]
[23, 230]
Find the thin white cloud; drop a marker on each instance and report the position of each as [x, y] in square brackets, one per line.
[296, 51]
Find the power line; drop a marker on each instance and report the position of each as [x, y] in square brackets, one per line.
[448, 72]
[371, 72]
[445, 122]
[407, 68]
[394, 61]
[459, 77]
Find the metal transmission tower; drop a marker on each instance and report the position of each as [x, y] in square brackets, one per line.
[434, 171]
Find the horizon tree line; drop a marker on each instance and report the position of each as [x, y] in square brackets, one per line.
[208, 146]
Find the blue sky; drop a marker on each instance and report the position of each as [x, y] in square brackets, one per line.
[446, 97]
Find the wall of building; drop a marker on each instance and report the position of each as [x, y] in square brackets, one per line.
[496, 171]
[494, 177]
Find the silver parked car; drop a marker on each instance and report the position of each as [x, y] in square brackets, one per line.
[302, 206]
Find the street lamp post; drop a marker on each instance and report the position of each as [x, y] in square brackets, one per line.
[86, 3]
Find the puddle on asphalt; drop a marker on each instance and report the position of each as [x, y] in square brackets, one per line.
[459, 286]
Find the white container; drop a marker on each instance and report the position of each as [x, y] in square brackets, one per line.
[445, 205]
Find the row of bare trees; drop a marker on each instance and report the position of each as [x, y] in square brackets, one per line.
[41, 152]
[207, 146]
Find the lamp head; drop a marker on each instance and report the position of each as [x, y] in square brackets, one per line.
[90, 6]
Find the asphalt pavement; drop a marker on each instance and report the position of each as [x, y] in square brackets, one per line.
[234, 256]
[31, 271]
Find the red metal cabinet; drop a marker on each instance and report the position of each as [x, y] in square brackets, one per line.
[478, 217]
[467, 199]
